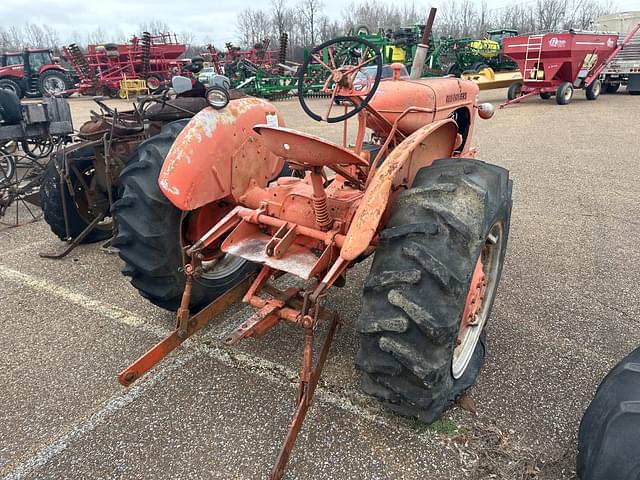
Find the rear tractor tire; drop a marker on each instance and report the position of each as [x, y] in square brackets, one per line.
[564, 94]
[432, 285]
[593, 91]
[150, 233]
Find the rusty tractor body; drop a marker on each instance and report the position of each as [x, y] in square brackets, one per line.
[437, 223]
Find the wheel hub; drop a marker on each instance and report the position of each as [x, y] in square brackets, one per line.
[478, 302]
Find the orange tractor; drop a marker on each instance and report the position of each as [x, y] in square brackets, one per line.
[218, 207]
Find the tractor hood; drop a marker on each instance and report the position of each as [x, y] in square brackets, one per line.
[436, 97]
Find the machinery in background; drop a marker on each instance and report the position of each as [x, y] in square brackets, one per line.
[33, 72]
[557, 63]
[102, 68]
[624, 68]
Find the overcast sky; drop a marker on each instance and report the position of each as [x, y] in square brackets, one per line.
[213, 21]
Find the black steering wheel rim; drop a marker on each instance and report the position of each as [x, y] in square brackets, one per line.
[365, 100]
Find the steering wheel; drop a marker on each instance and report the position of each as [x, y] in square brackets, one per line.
[345, 59]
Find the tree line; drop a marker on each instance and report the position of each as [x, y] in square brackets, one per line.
[307, 23]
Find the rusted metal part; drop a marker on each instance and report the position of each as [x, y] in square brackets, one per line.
[475, 298]
[308, 382]
[182, 315]
[196, 322]
[267, 314]
[419, 150]
[75, 242]
[282, 240]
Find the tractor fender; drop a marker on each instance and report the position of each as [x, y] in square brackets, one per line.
[420, 149]
[218, 155]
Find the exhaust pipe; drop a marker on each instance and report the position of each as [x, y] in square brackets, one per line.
[423, 47]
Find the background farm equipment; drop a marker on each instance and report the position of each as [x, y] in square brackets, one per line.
[33, 73]
[624, 68]
[28, 134]
[557, 63]
[205, 208]
[102, 68]
[80, 183]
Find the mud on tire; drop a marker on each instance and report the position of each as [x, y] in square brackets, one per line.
[149, 232]
[416, 291]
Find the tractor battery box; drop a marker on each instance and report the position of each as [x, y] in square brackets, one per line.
[35, 113]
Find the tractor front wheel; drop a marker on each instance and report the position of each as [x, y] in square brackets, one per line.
[431, 287]
[564, 94]
[545, 95]
[152, 233]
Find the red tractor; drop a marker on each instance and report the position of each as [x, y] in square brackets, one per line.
[33, 72]
[218, 207]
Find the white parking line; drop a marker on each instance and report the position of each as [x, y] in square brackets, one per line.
[112, 407]
[271, 371]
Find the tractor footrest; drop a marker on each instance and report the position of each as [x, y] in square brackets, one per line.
[249, 242]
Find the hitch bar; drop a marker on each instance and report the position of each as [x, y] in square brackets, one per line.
[197, 322]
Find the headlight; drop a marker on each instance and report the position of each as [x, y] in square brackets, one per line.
[217, 97]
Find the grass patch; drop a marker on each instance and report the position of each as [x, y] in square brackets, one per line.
[442, 425]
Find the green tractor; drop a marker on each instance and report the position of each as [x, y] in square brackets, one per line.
[462, 55]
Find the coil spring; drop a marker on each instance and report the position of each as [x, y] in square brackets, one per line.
[322, 212]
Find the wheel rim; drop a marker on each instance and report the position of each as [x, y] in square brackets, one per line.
[54, 85]
[153, 83]
[568, 93]
[596, 89]
[479, 299]
[215, 264]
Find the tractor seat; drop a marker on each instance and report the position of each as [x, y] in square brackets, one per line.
[10, 108]
[304, 149]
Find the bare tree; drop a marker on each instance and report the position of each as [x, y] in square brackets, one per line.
[310, 11]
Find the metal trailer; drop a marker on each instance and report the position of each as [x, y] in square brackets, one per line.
[624, 68]
[557, 63]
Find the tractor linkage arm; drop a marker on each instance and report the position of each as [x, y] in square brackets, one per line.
[296, 305]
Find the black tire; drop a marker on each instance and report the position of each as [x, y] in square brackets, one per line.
[593, 91]
[545, 95]
[53, 82]
[609, 432]
[37, 148]
[12, 86]
[149, 232]
[515, 91]
[52, 201]
[10, 109]
[453, 69]
[416, 291]
[476, 67]
[610, 87]
[564, 93]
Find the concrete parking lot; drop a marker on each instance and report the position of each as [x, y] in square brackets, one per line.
[567, 310]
